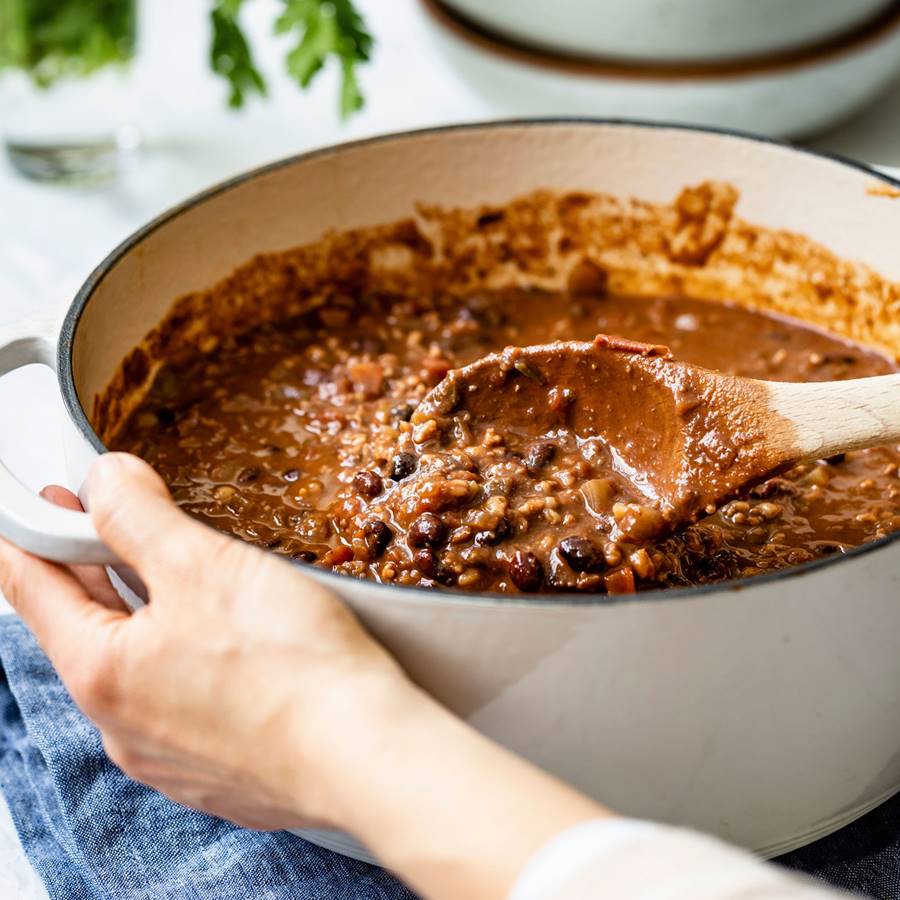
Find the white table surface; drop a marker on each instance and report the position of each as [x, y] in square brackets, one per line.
[50, 238]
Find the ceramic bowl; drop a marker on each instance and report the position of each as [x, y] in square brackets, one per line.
[663, 31]
[796, 95]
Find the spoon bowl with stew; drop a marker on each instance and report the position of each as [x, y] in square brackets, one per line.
[682, 439]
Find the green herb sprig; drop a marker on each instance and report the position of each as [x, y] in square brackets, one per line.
[230, 55]
[322, 30]
[50, 39]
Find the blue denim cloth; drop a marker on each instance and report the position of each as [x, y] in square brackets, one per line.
[864, 857]
[92, 834]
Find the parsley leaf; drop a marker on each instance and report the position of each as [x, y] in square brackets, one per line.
[326, 28]
[50, 39]
[230, 55]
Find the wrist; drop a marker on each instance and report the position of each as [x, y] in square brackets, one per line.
[436, 802]
[452, 813]
[345, 739]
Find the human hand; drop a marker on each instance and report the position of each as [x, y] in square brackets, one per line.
[230, 689]
[247, 690]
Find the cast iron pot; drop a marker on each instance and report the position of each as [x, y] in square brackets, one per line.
[766, 711]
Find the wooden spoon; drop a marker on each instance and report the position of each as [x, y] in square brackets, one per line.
[685, 437]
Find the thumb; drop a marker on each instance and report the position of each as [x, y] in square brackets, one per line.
[136, 517]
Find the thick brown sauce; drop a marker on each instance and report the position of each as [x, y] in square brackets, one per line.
[297, 437]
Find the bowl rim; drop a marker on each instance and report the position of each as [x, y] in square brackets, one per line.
[68, 330]
[512, 50]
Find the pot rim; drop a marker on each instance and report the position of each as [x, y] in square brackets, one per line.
[66, 379]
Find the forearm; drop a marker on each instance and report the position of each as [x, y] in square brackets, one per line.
[449, 811]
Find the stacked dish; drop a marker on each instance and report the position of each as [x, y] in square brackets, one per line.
[782, 69]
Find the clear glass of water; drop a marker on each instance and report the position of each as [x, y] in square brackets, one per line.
[73, 128]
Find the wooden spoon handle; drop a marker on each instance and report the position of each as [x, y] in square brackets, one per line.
[833, 416]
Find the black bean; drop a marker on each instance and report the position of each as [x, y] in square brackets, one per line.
[836, 459]
[581, 554]
[539, 455]
[444, 575]
[248, 476]
[165, 416]
[377, 536]
[557, 574]
[403, 464]
[496, 535]
[425, 561]
[368, 484]
[291, 475]
[825, 547]
[427, 531]
[306, 556]
[716, 567]
[403, 411]
[526, 571]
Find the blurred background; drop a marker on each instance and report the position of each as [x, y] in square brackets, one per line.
[113, 110]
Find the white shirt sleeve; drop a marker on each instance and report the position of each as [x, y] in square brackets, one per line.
[627, 859]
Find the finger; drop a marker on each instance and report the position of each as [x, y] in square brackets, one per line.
[66, 622]
[136, 517]
[93, 578]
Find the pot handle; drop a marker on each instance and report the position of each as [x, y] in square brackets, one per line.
[26, 519]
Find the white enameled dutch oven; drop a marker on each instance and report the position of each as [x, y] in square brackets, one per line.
[766, 711]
